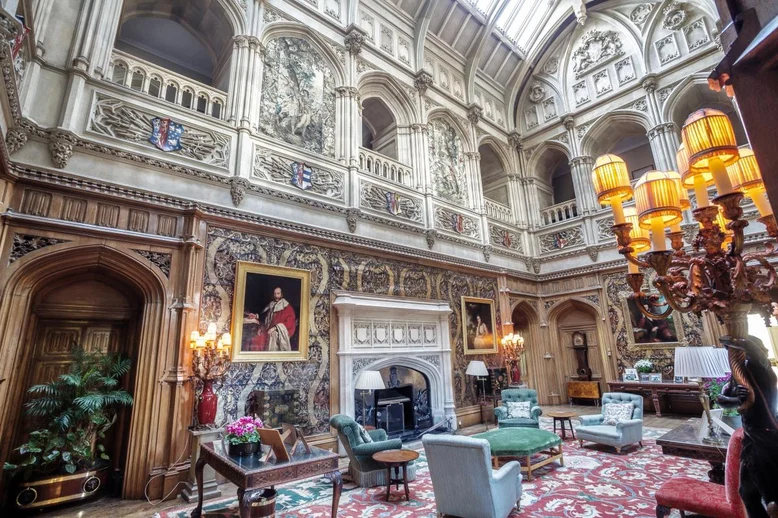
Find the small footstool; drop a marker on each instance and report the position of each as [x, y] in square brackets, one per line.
[521, 444]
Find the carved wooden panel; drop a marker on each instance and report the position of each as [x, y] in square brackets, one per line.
[101, 338]
[36, 203]
[107, 215]
[73, 209]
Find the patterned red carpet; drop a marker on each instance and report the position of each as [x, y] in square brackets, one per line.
[595, 482]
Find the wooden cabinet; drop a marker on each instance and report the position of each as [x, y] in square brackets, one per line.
[583, 390]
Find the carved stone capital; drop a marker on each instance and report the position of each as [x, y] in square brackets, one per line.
[61, 148]
[592, 251]
[16, 138]
[474, 113]
[422, 81]
[238, 188]
[569, 123]
[431, 236]
[416, 127]
[649, 83]
[582, 161]
[240, 42]
[354, 39]
[352, 216]
[473, 155]
[487, 249]
[516, 140]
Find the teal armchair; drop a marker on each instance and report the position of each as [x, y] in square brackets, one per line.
[510, 395]
[464, 482]
[363, 469]
[619, 435]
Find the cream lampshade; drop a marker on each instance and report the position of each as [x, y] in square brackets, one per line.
[746, 176]
[477, 368]
[370, 380]
[657, 201]
[698, 182]
[711, 144]
[639, 237]
[610, 177]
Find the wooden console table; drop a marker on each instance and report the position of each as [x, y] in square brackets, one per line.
[656, 391]
[682, 442]
[251, 474]
[584, 390]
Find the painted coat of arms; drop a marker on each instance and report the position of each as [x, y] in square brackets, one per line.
[560, 241]
[506, 239]
[458, 222]
[301, 176]
[393, 203]
[166, 134]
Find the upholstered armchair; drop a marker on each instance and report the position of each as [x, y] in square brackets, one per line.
[518, 395]
[619, 435]
[463, 480]
[363, 469]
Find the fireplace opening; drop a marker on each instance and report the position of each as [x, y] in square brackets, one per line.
[402, 408]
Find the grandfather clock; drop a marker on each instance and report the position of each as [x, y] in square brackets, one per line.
[581, 355]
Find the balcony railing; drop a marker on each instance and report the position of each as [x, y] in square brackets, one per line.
[498, 211]
[559, 212]
[158, 82]
[385, 167]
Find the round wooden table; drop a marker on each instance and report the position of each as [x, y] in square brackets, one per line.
[560, 416]
[396, 459]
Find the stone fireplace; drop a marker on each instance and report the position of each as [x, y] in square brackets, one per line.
[378, 332]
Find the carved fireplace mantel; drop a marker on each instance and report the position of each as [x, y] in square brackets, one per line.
[378, 331]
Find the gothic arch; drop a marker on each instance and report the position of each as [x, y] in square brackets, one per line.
[497, 147]
[541, 150]
[280, 29]
[601, 127]
[459, 127]
[148, 444]
[383, 86]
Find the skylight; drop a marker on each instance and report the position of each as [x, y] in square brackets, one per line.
[522, 20]
[484, 5]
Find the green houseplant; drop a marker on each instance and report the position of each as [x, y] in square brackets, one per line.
[71, 415]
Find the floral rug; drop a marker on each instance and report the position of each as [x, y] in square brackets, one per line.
[595, 482]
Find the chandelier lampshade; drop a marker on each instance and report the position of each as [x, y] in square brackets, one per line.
[639, 236]
[707, 134]
[683, 193]
[611, 179]
[657, 199]
[746, 176]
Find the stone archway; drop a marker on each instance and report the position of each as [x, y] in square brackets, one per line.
[147, 444]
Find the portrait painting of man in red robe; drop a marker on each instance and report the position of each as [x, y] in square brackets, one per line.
[273, 327]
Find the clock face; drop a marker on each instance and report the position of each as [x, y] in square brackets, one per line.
[578, 339]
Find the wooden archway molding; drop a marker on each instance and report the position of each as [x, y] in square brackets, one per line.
[148, 441]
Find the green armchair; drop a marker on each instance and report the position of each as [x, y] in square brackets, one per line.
[363, 469]
[511, 395]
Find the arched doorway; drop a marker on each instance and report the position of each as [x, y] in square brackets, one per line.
[494, 179]
[555, 190]
[37, 284]
[627, 139]
[98, 313]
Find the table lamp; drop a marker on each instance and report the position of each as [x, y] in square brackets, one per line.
[478, 369]
[703, 362]
[368, 381]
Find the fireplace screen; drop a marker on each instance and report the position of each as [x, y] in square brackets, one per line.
[402, 407]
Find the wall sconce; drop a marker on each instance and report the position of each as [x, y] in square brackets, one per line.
[210, 360]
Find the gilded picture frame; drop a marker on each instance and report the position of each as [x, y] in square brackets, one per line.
[270, 312]
[646, 333]
[479, 325]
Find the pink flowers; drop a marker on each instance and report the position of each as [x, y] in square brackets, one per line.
[244, 430]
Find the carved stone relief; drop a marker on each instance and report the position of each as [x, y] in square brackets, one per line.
[581, 93]
[537, 92]
[270, 166]
[23, 244]
[562, 239]
[552, 66]
[387, 39]
[602, 82]
[667, 49]
[505, 238]
[298, 96]
[549, 109]
[384, 200]
[531, 118]
[696, 34]
[595, 48]
[117, 119]
[625, 70]
[640, 14]
[368, 23]
[159, 259]
[675, 15]
[446, 156]
[604, 232]
[452, 221]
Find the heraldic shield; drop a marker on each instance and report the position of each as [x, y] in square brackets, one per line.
[166, 134]
[301, 176]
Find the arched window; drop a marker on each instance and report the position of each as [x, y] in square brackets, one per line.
[171, 92]
[379, 128]
[493, 175]
[155, 86]
[202, 103]
[698, 96]
[216, 109]
[136, 83]
[628, 140]
[186, 98]
[119, 74]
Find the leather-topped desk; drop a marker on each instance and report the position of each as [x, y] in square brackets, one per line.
[689, 392]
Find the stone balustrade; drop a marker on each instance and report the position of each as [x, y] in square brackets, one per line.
[498, 211]
[559, 212]
[385, 167]
[156, 81]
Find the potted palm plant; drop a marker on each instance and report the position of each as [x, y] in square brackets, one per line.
[71, 415]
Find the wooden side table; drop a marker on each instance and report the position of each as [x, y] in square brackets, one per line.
[396, 459]
[560, 417]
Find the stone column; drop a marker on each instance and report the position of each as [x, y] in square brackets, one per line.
[533, 205]
[662, 139]
[515, 190]
[649, 85]
[420, 164]
[348, 108]
[239, 80]
[581, 168]
[479, 203]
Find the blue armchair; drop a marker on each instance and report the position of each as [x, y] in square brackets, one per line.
[511, 395]
[620, 435]
[363, 469]
[463, 481]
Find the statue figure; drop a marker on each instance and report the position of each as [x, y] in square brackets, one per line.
[755, 386]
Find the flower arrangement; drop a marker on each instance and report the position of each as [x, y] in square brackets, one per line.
[644, 366]
[243, 436]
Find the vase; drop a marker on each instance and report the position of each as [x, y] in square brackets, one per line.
[243, 449]
[734, 421]
[206, 404]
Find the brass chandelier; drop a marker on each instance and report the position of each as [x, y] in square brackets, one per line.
[717, 276]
